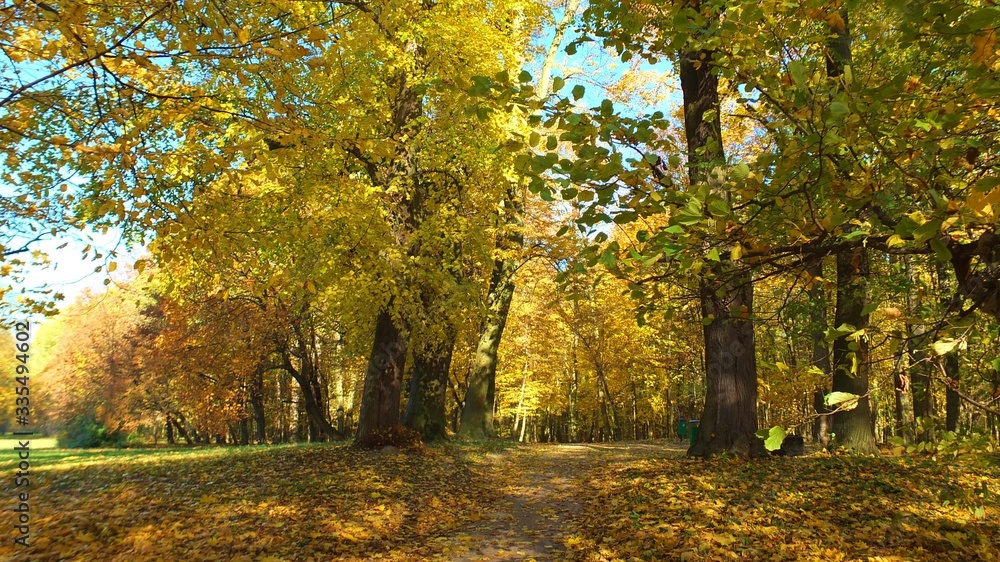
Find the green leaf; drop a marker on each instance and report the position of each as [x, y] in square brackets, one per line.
[713, 254]
[557, 84]
[987, 184]
[524, 77]
[844, 401]
[944, 347]
[940, 250]
[578, 91]
[625, 217]
[839, 110]
[718, 208]
[773, 438]
[798, 71]
[926, 231]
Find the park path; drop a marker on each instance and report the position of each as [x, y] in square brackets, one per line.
[544, 491]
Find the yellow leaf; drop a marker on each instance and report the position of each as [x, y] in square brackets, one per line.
[836, 22]
[985, 46]
[737, 252]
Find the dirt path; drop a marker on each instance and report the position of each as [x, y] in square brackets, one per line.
[545, 487]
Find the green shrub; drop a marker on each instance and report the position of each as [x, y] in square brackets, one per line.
[85, 432]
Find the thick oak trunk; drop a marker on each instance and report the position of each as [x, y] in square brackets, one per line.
[425, 411]
[383, 379]
[729, 419]
[853, 427]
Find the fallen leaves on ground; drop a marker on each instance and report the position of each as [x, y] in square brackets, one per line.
[496, 501]
[256, 504]
[819, 507]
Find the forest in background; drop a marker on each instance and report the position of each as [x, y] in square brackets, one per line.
[369, 216]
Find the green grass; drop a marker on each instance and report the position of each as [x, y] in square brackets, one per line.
[45, 454]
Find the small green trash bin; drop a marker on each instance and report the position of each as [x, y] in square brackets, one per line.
[692, 427]
[682, 429]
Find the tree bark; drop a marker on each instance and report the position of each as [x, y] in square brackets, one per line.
[820, 356]
[904, 400]
[953, 402]
[317, 424]
[574, 384]
[920, 366]
[257, 405]
[477, 412]
[853, 428]
[425, 411]
[179, 422]
[170, 429]
[383, 380]
[729, 419]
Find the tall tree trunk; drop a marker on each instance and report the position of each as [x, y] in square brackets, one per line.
[953, 403]
[903, 413]
[406, 195]
[170, 429]
[245, 431]
[480, 396]
[820, 355]
[608, 409]
[853, 427]
[920, 366]
[477, 412]
[635, 409]
[425, 411]
[383, 380]
[518, 418]
[257, 404]
[317, 425]
[729, 419]
[574, 385]
[179, 423]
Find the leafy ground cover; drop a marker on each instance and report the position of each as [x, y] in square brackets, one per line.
[498, 501]
[318, 502]
[818, 507]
